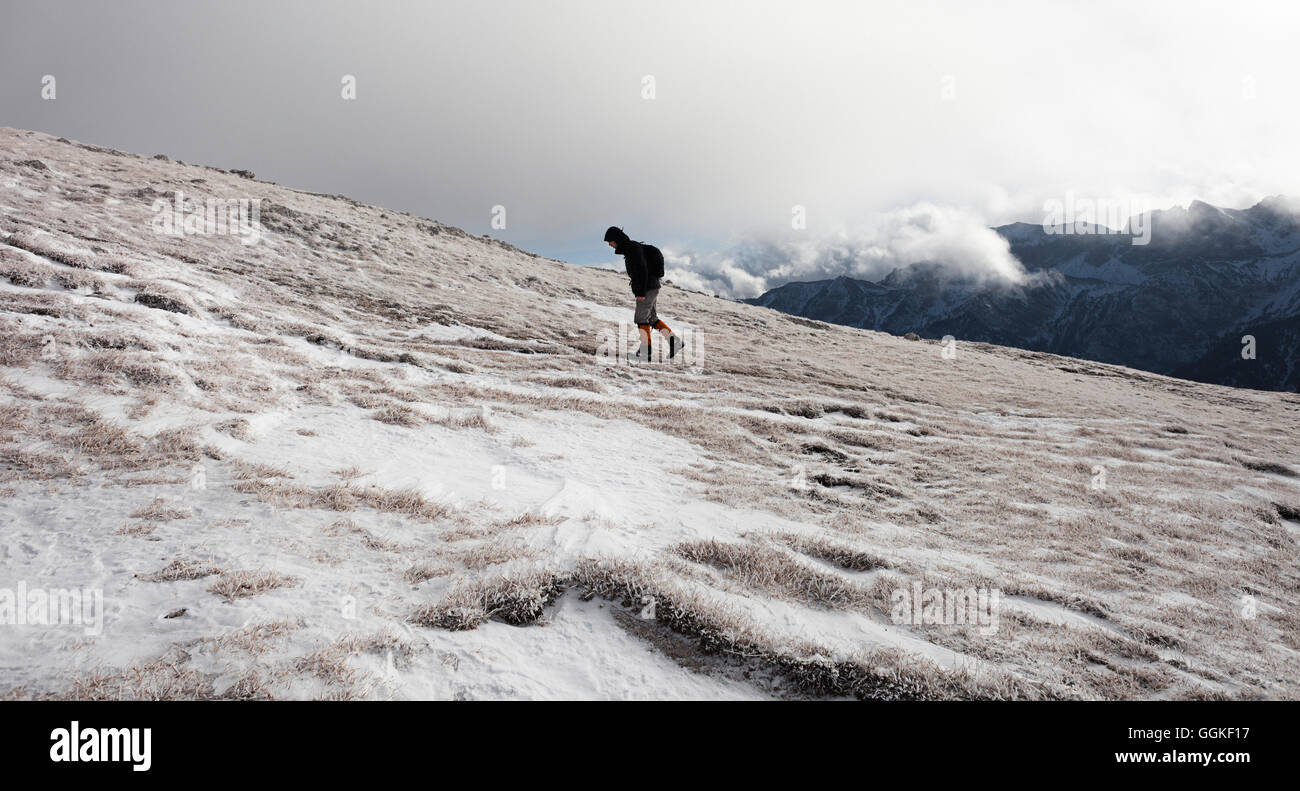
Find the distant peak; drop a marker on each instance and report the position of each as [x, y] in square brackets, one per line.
[1280, 204]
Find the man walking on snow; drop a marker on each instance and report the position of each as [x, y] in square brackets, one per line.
[645, 265]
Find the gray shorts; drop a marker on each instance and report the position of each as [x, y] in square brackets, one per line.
[645, 309]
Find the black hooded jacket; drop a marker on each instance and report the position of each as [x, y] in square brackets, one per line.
[635, 264]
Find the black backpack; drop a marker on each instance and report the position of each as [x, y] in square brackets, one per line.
[654, 261]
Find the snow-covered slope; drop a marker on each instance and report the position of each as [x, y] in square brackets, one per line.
[373, 456]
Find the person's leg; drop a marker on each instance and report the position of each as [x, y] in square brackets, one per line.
[650, 316]
[644, 318]
[674, 343]
[652, 319]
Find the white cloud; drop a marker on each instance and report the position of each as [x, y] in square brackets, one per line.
[957, 239]
[848, 108]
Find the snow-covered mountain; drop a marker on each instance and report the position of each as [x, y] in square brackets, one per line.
[370, 455]
[1178, 305]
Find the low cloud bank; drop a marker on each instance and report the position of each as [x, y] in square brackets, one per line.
[957, 240]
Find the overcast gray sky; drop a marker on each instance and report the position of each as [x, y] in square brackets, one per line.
[903, 129]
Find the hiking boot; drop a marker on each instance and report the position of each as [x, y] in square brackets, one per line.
[643, 353]
[674, 346]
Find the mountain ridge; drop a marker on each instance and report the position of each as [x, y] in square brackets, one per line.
[1207, 276]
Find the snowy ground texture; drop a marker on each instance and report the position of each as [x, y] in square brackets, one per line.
[372, 456]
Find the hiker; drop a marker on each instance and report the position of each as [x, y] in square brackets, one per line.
[645, 265]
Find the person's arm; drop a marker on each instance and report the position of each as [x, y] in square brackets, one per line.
[634, 261]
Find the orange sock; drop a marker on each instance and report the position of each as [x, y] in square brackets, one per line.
[664, 328]
[645, 334]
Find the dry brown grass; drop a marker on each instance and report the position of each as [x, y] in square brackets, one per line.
[182, 569]
[495, 552]
[139, 530]
[515, 598]
[350, 473]
[383, 643]
[237, 428]
[173, 675]
[242, 584]
[160, 509]
[331, 666]
[378, 544]
[427, 570]
[346, 497]
[25, 273]
[528, 519]
[168, 677]
[400, 415]
[464, 418]
[571, 382]
[831, 551]
[254, 640]
[874, 675]
[776, 572]
[118, 371]
[244, 471]
[28, 465]
[158, 296]
[49, 247]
